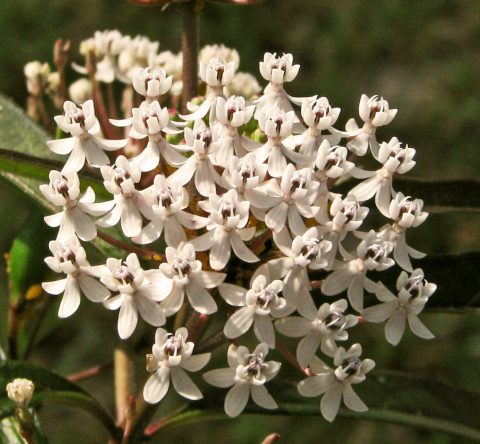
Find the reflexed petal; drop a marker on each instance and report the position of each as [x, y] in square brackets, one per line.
[315, 385]
[352, 401]
[55, 287]
[220, 251]
[131, 219]
[200, 299]
[395, 327]
[240, 249]
[71, 298]
[127, 318]
[306, 348]
[336, 282]
[157, 386]
[264, 331]
[233, 294]
[236, 399]
[330, 402]
[262, 398]
[84, 227]
[208, 279]
[174, 233]
[183, 385]
[222, 377]
[293, 326]
[239, 322]
[195, 362]
[92, 289]
[379, 313]
[150, 311]
[418, 327]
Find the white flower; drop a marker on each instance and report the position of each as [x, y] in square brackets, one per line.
[80, 91]
[320, 327]
[63, 190]
[395, 159]
[138, 292]
[150, 119]
[70, 258]
[347, 215]
[277, 125]
[293, 199]
[166, 200]
[374, 112]
[181, 274]
[246, 175]
[151, 82]
[208, 52]
[82, 125]
[244, 84]
[200, 164]
[170, 359]
[413, 294]
[20, 391]
[304, 252]
[36, 75]
[231, 114]
[278, 70]
[136, 54]
[129, 204]
[247, 374]
[331, 162]
[258, 304]
[335, 384]
[171, 63]
[371, 254]
[226, 230]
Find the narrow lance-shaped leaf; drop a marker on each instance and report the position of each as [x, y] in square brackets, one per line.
[50, 388]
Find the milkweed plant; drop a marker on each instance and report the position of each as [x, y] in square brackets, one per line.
[243, 219]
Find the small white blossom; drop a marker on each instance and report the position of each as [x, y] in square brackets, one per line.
[137, 292]
[36, 74]
[151, 83]
[166, 200]
[413, 294]
[244, 84]
[322, 327]
[200, 165]
[70, 258]
[258, 305]
[371, 254]
[182, 274]
[81, 90]
[395, 159]
[374, 112]
[208, 52]
[247, 375]
[64, 190]
[226, 230]
[335, 384]
[171, 358]
[82, 124]
[136, 54]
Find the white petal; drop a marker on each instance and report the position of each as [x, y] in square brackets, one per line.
[378, 313]
[71, 298]
[157, 386]
[203, 180]
[127, 318]
[307, 348]
[355, 293]
[240, 249]
[92, 289]
[275, 219]
[208, 279]
[221, 377]
[294, 326]
[183, 385]
[239, 322]
[395, 327]
[54, 287]
[352, 401]
[264, 331]
[233, 294]
[174, 233]
[195, 362]
[330, 402]
[262, 398]
[150, 311]
[200, 299]
[84, 227]
[220, 250]
[418, 327]
[336, 282]
[315, 385]
[236, 399]
[131, 219]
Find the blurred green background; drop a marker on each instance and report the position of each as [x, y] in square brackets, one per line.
[422, 56]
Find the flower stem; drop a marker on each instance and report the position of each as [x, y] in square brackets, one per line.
[190, 38]
[142, 252]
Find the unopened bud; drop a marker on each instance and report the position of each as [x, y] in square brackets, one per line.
[20, 391]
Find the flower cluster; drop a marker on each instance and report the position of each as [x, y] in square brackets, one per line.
[238, 199]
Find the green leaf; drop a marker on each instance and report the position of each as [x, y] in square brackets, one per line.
[456, 276]
[392, 397]
[25, 159]
[442, 195]
[50, 388]
[29, 247]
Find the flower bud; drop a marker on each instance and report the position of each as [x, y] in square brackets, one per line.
[20, 391]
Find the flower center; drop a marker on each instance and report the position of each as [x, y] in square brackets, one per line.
[350, 210]
[61, 187]
[66, 254]
[205, 136]
[181, 265]
[375, 251]
[335, 320]
[299, 180]
[174, 345]
[120, 175]
[123, 274]
[352, 366]
[255, 365]
[311, 249]
[415, 285]
[265, 297]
